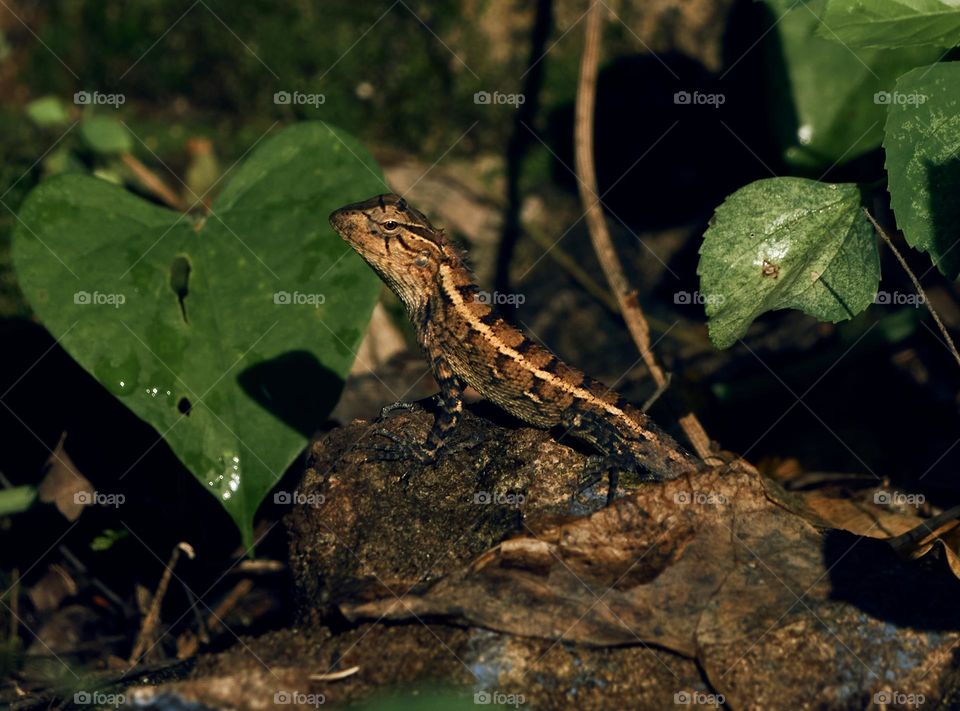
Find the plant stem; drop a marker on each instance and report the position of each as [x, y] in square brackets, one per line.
[916, 283]
[597, 226]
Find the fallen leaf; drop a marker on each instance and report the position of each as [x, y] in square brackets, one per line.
[64, 486]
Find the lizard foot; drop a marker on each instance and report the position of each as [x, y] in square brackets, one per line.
[399, 448]
[611, 467]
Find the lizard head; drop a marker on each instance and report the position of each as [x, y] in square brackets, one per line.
[397, 241]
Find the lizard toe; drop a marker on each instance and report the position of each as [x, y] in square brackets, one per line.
[399, 448]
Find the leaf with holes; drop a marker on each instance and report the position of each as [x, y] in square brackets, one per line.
[922, 141]
[230, 334]
[787, 243]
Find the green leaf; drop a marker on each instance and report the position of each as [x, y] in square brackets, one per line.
[47, 111]
[16, 499]
[787, 243]
[108, 538]
[826, 101]
[105, 135]
[922, 144]
[230, 334]
[892, 23]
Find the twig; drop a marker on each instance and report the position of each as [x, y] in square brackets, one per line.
[520, 141]
[153, 616]
[82, 569]
[152, 182]
[576, 272]
[335, 676]
[602, 294]
[927, 531]
[259, 566]
[661, 389]
[201, 634]
[238, 592]
[14, 606]
[597, 226]
[916, 283]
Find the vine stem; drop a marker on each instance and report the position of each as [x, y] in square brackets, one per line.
[916, 283]
[625, 295]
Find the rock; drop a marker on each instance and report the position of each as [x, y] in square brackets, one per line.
[723, 568]
[486, 578]
[366, 534]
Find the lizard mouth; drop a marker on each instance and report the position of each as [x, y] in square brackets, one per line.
[338, 219]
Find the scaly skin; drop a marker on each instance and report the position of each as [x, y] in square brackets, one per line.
[467, 343]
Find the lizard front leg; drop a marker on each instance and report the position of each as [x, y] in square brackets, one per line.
[450, 401]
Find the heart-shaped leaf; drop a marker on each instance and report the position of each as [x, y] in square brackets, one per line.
[230, 334]
[922, 141]
[787, 243]
[892, 23]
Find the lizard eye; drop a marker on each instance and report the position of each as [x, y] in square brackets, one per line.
[422, 259]
[390, 226]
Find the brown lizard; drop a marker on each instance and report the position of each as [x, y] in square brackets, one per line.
[467, 343]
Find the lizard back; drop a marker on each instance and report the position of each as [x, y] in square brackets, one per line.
[531, 383]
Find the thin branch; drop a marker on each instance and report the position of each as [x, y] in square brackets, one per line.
[597, 226]
[916, 284]
[153, 615]
[14, 607]
[602, 294]
[152, 182]
[927, 532]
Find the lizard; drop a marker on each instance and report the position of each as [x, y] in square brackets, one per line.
[466, 342]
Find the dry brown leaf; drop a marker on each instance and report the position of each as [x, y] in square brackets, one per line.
[64, 486]
[48, 592]
[861, 517]
[753, 582]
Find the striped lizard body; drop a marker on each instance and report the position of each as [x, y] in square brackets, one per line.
[468, 343]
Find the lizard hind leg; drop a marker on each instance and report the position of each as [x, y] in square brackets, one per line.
[616, 458]
[607, 467]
